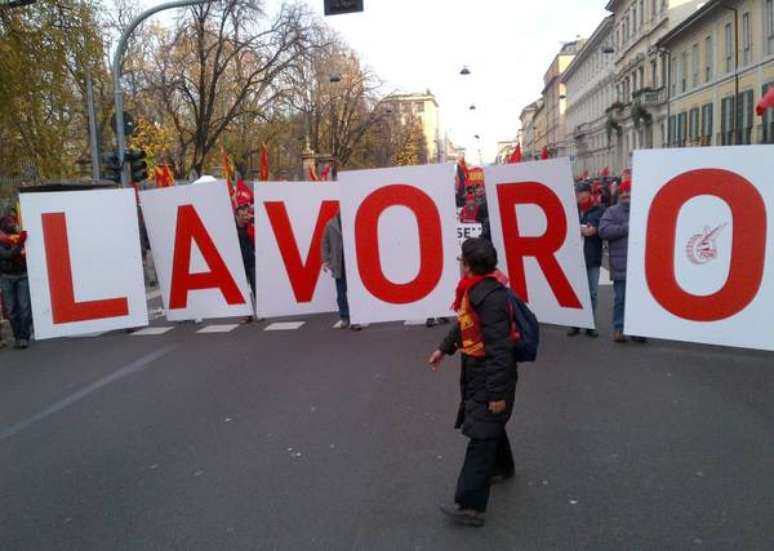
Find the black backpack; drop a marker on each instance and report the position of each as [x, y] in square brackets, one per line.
[525, 348]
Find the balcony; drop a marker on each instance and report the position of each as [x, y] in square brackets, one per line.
[765, 133]
[648, 97]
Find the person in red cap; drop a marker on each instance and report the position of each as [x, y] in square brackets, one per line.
[246, 235]
[614, 227]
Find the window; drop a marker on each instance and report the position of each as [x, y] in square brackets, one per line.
[746, 120]
[675, 69]
[693, 125]
[769, 19]
[671, 141]
[695, 66]
[420, 107]
[729, 47]
[653, 4]
[642, 76]
[634, 21]
[746, 39]
[642, 13]
[682, 127]
[684, 71]
[706, 123]
[708, 55]
[653, 74]
[727, 120]
[664, 5]
[634, 81]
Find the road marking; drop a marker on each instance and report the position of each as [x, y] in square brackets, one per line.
[285, 326]
[134, 367]
[226, 328]
[151, 331]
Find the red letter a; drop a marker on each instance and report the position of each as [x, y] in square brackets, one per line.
[190, 229]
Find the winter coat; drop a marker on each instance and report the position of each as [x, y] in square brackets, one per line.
[493, 377]
[333, 247]
[592, 246]
[247, 247]
[12, 261]
[614, 228]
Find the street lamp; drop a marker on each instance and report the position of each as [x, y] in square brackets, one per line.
[335, 78]
[472, 107]
[465, 71]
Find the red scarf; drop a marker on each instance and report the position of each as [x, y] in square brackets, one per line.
[467, 283]
[586, 205]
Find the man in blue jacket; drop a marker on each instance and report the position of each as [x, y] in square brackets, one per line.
[590, 215]
[614, 227]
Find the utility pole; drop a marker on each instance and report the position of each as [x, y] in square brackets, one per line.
[93, 146]
[118, 59]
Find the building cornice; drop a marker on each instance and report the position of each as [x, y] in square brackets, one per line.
[689, 22]
[597, 36]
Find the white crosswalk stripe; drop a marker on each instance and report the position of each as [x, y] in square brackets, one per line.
[149, 331]
[285, 326]
[223, 328]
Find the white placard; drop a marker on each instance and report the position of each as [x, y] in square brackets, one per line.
[99, 232]
[699, 240]
[466, 231]
[288, 215]
[208, 207]
[539, 198]
[388, 278]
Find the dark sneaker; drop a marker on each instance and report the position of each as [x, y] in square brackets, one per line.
[640, 340]
[356, 327]
[22, 343]
[431, 322]
[468, 517]
[592, 333]
[573, 332]
[618, 336]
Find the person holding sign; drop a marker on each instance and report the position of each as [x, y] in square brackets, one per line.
[590, 213]
[484, 336]
[333, 262]
[14, 282]
[614, 227]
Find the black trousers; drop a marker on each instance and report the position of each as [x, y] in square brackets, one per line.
[483, 460]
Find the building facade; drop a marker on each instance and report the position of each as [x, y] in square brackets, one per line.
[638, 117]
[555, 100]
[425, 108]
[711, 98]
[590, 88]
[527, 132]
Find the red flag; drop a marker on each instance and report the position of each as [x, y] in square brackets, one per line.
[264, 172]
[228, 172]
[767, 102]
[516, 155]
[544, 153]
[324, 175]
[313, 174]
[163, 176]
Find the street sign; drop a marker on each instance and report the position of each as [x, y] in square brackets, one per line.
[340, 7]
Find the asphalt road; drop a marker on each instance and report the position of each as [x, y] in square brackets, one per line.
[320, 439]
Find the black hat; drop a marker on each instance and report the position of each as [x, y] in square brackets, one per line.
[582, 186]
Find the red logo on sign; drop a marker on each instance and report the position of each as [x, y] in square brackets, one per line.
[702, 247]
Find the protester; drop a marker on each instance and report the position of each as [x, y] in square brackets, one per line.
[590, 214]
[333, 262]
[483, 335]
[614, 227]
[246, 235]
[470, 211]
[14, 283]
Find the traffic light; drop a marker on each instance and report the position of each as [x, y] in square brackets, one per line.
[138, 169]
[111, 168]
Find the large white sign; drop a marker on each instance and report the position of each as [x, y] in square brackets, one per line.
[196, 251]
[698, 242]
[84, 262]
[533, 218]
[400, 242]
[290, 219]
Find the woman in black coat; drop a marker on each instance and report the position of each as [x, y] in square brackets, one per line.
[487, 381]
